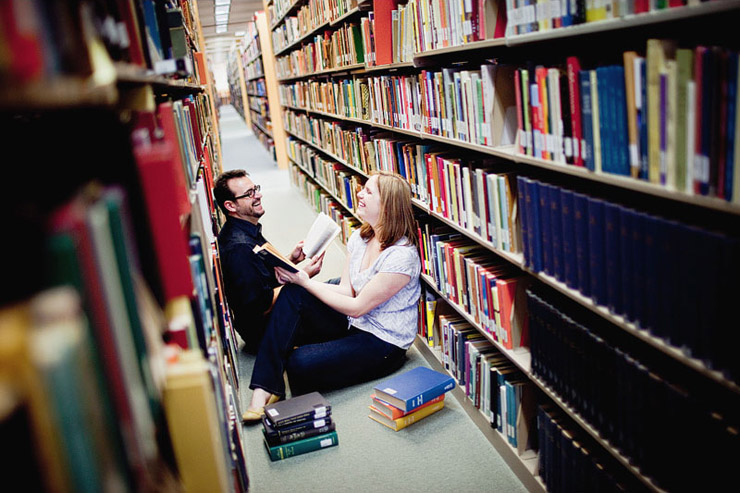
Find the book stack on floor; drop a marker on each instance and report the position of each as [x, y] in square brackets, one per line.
[409, 397]
[297, 426]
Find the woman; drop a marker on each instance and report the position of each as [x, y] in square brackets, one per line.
[329, 336]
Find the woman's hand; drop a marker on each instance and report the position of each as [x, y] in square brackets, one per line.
[314, 265]
[297, 254]
[283, 276]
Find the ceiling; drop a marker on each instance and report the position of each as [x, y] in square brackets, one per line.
[240, 12]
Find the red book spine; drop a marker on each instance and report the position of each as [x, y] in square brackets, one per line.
[642, 6]
[441, 171]
[574, 90]
[159, 181]
[383, 30]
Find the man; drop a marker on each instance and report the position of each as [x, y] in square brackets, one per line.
[250, 285]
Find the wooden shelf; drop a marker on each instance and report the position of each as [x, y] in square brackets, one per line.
[345, 68]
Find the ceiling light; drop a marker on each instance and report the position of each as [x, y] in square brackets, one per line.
[223, 2]
[240, 33]
[222, 19]
[220, 29]
[222, 9]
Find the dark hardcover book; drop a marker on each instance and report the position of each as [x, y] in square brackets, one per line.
[669, 281]
[626, 261]
[523, 222]
[587, 119]
[639, 220]
[709, 328]
[304, 446]
[278, 436]
[620, 101]
[556, 234]
[273, 258]
[413, 388]
[533, 209]
[652, 281]
[612, 257]
[307, 407]
[568, 260]
[545, 228]
[642, 119]
[605, 129]
[580, 228]
[732, 90]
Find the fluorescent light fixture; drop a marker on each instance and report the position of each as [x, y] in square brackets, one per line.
[240, 33]
[220, 29]
[223, 2]
[222, 19]
[222, 9]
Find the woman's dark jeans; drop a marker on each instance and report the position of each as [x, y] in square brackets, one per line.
[329, 354]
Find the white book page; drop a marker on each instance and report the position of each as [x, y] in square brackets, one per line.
[322, 232]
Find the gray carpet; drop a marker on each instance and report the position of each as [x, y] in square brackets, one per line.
[443, 452]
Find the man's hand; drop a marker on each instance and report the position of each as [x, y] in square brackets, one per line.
[297, 254]
[314, 265]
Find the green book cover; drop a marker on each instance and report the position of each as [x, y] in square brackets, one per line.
[685, 60]
[284, 451]
[359, 47]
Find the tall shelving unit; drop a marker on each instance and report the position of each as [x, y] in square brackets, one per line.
[340, 125]
[117, 325]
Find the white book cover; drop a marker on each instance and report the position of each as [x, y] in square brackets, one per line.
[322, 232]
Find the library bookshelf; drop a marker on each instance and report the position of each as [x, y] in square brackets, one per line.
[117, 324]
[608, 354]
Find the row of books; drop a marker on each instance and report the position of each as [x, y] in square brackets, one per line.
[409, 397]
[634, 407]
[668, 117]
[298, 426]
[332, 49]
[526, 17]
[400, 31]
[310, 17]
[473, 197]
[265, 139]
[251, 43]
[335, 96]
[567, 459]
[490, 290]
[259, 105]
[491, 381]
[256, 87]
[323, 202]
[142, 32]
[626, 260]
[254, 69]
[327, 172]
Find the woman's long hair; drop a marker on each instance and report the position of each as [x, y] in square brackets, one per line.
[396, 212]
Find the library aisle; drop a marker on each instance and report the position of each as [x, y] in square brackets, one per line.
[444, 452]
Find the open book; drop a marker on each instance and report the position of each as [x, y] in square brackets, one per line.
[322, 232]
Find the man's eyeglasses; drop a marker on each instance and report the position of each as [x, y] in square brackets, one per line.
[249, 193]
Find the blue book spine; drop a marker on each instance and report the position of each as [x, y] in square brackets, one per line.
[622, 130]
[639, 221]
[523, 223]
[587, 118]
[642, 121]
[556, 235]
[580, 224]
[732, 82]
[534, 221]
[545, 228]
[613, 278]
[596, 259]
[602, 87]
[568, 262]
[626, 262]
